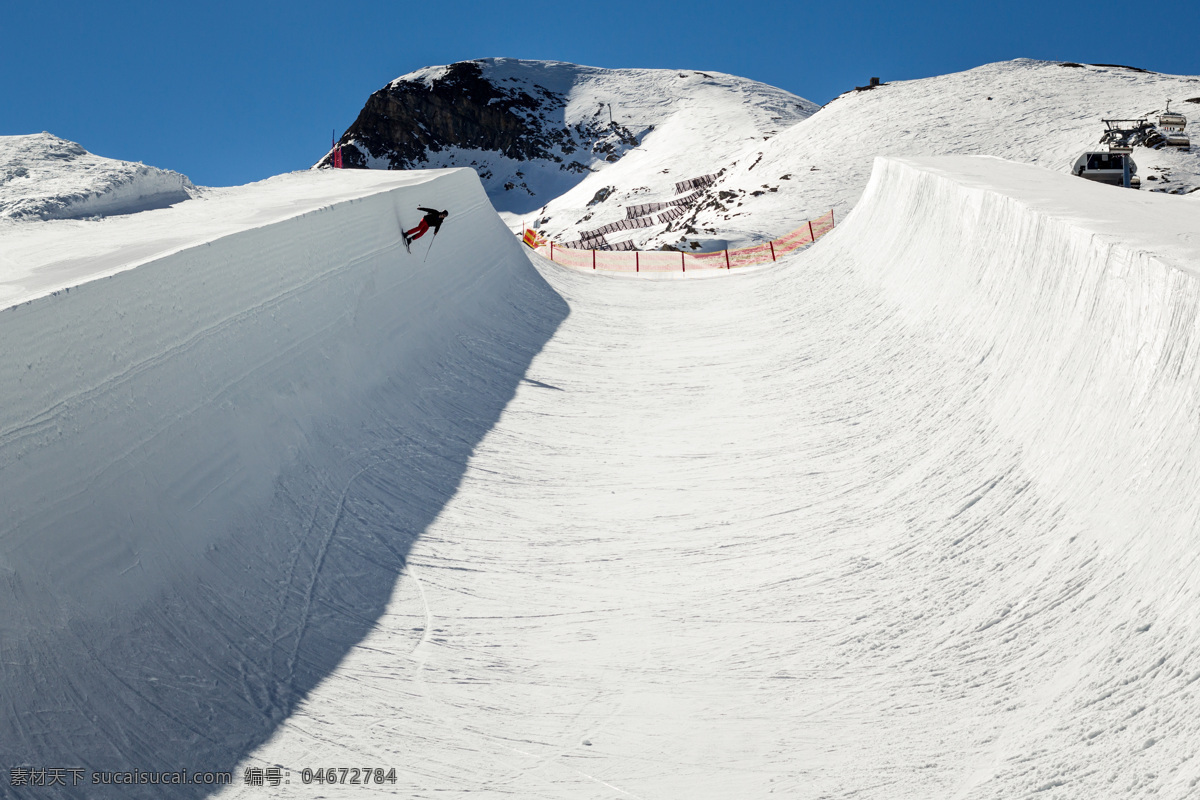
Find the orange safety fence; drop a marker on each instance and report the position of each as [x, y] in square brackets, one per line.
[676, 260]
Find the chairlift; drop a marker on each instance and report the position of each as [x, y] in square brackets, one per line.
[1122, 135]
[1178, 140]
[1171, 121]
[1124, 124]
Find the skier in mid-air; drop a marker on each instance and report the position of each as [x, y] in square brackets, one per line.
[432, 219]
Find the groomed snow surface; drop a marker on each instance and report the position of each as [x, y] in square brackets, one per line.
[910, 515]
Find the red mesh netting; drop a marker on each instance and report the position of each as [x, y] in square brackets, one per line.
[699, 261]
[660, 261]
[626, 261]
[793, 241]
[580, 259]
[749, 256]
[675, 261]
[823, 225]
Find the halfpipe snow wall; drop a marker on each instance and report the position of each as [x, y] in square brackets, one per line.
[213, 463]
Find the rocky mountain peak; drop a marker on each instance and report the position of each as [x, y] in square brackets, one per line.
[420, 122]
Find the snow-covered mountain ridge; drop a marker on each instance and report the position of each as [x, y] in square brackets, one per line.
[45, 177]
[536, 129]
[772, 167]
[1035, 112]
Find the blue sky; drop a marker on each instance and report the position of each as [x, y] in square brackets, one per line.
[230, 92]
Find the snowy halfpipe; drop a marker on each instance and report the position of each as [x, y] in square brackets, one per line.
[911, 514]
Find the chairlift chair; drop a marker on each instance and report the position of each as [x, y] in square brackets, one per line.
[1171, 121]
[1178, 140]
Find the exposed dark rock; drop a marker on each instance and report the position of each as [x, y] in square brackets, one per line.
[1123, 66]
[406, 121]
[601, 195]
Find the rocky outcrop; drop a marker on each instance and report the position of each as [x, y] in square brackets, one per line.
[405, 122]
[591, 139]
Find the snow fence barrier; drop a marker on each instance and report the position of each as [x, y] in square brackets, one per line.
[658, 261]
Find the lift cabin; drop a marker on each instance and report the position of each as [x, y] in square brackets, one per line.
[1117, 169]
[1172, 123]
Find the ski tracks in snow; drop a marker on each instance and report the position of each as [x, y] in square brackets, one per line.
[776, 534]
